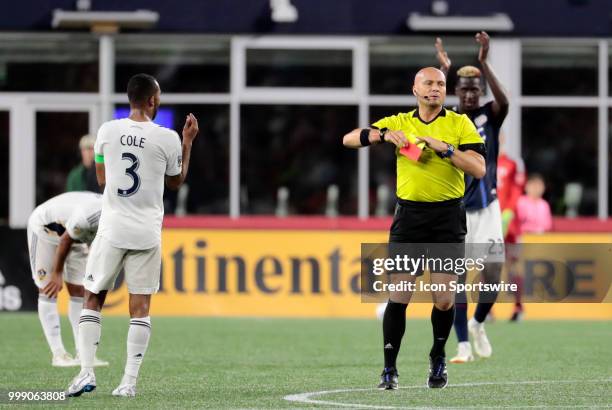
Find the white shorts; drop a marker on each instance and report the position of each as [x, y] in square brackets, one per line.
[484, 233]
[42, 252]
[142, 268]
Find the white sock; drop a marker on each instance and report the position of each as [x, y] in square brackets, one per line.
[89, 338]
[74, 314]
[50, 321]
[475, 323]
[137, 342]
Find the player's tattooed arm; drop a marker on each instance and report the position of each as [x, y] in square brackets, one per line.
[501, 102]
[190, 132]
[61, 253]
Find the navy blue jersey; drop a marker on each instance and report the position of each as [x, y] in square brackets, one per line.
[479, 193]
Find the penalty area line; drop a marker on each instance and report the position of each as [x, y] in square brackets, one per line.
[309, 398]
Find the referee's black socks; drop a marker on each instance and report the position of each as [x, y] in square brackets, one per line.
[394, 326]
[441, 322]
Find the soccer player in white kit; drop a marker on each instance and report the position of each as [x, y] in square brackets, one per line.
[59, 233]
[133, 158]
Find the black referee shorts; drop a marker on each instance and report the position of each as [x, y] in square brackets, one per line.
[421, 224]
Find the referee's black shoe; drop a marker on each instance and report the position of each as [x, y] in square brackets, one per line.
[438, 378]
[388, 379]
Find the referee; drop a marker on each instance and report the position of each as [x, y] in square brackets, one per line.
[429, 205]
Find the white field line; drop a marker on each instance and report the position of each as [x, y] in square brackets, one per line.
[308, 398]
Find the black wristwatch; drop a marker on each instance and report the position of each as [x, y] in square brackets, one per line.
[449, 152]
[382, 133]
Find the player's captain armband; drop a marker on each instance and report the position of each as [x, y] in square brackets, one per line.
[100, 158]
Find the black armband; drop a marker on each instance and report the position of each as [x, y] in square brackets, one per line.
[364, 137]
[479, 148]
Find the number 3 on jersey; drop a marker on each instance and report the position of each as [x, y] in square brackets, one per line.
[131, 171]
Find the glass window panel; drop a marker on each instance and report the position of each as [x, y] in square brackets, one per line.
[4, 170]
[300, 148]
[559, 69]
[394, 63]
[69, 63]
[561, 145]
[208, 177]
[299, 68]
[181, 64]
[57, 150]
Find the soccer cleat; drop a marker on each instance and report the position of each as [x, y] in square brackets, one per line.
[64, 360]
[482, 346]
[438, 377]
[125, 390]
[85, 382]
[464, 353]
[388, 379]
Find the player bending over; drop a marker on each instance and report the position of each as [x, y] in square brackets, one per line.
[133, 158]
[59, 233]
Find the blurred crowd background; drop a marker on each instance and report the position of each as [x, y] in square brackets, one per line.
[291, 160]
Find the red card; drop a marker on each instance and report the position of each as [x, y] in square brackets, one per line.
[411, 151]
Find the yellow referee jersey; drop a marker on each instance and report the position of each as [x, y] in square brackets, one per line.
[431, 179]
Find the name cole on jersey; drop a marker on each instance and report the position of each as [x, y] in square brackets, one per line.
[132, 141]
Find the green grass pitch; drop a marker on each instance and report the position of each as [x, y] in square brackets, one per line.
[255, 363]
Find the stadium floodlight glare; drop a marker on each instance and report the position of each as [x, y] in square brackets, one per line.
[104, 20]
[497, 22]
[283, 11]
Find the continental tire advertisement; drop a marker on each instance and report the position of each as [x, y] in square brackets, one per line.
[310, 273]
[291, 273]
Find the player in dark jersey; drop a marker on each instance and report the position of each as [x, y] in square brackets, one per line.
[484, 221]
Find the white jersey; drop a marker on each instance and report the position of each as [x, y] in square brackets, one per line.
[77, 213]
[137, 156]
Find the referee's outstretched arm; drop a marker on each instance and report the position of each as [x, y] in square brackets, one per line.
[362, 137]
